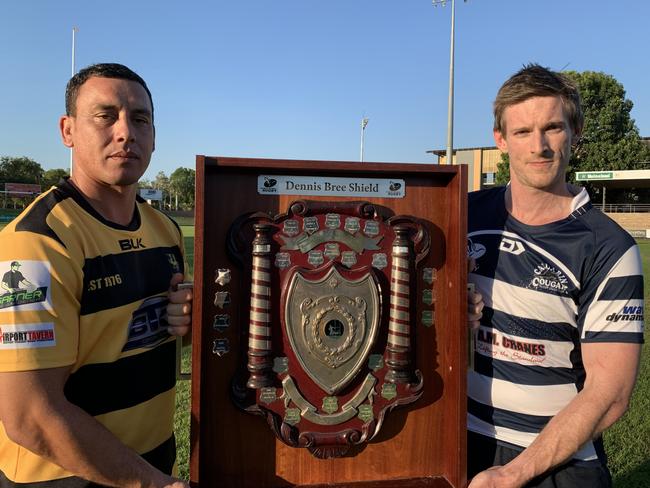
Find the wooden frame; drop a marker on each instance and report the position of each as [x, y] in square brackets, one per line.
[419, 445]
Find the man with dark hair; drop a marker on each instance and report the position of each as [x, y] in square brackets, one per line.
[557, 350]
[87, 365]
[12, 279]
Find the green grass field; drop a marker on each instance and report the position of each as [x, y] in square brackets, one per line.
[627, 443]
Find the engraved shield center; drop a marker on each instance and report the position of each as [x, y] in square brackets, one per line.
[332, 323]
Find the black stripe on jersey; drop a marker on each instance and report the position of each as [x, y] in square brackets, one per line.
[72, 191]
[106, 387]
[118, 279]
[520, 374]
[36, 219]
[627, 337]
[161, 457]
[623, 288]
[528, 328]
[505, 418]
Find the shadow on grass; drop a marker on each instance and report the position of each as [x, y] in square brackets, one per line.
[635, 478]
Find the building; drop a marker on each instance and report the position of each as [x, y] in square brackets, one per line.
[481, 164]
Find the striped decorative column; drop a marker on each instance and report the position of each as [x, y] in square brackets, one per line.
[259, 330]
[399, 333]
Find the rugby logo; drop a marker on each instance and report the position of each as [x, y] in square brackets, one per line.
[148, 326]
[549, 278]
[510, 246]
[18, 288]
[627, 314]
[474, 249]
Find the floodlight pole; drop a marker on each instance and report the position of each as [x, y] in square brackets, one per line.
[364, 123]
[450, 100]
[73, 71]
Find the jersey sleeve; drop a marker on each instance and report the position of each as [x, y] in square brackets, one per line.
[39, 322]
[615, 311]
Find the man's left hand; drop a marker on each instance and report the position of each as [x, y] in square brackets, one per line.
[179, 308]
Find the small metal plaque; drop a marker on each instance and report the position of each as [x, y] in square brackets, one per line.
[280, 365]
[371, 228]
[315, 258]
[332, 250]
[282, 260]
[310, 225]
[221, 299]
[262, 248]
[220, 347]
[292, 416]
[332, 221]
[268, 395]
[348, 258]
[291, 227]
[389, 391]
[222, 276]
[427, 296]
[221, 322]
[429, 275]
[352, 225]
[379, 260]
[330, 404]
[365, 413]
[375, 362]
[427, 318]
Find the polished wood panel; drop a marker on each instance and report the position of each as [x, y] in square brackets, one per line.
[420, 445]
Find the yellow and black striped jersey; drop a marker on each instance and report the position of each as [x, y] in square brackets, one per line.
[91, 295]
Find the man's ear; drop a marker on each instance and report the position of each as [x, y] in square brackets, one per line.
[66, 127]
[500, 141]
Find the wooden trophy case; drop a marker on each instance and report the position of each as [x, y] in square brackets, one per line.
[329, 324]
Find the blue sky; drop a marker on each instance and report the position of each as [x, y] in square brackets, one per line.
[293, 78]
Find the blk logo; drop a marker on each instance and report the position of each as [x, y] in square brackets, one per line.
[128, 244]
[513, 247]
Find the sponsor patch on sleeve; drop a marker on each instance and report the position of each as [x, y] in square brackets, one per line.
[27, 336]
[25, 285]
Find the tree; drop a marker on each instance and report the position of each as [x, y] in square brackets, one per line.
[181, 182]
[52, 177]
[162, 183]
[610, 138]
[20, 170]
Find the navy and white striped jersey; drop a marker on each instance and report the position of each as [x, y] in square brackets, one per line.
[547, 289]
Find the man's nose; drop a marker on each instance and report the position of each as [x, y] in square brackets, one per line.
[539, 143]
[124, 130]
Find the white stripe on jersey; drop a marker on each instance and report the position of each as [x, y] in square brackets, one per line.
[527, 304]
[550, 257]
[524, 350]
[546, 400]
[524, 439]
[607, 315]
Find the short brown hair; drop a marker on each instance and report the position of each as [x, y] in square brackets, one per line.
[534, 80]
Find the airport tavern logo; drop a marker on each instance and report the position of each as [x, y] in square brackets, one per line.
[26, 336]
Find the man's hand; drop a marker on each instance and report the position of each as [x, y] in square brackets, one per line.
[494, 477]
[179, 308]
[474, 307]
[474, 300]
